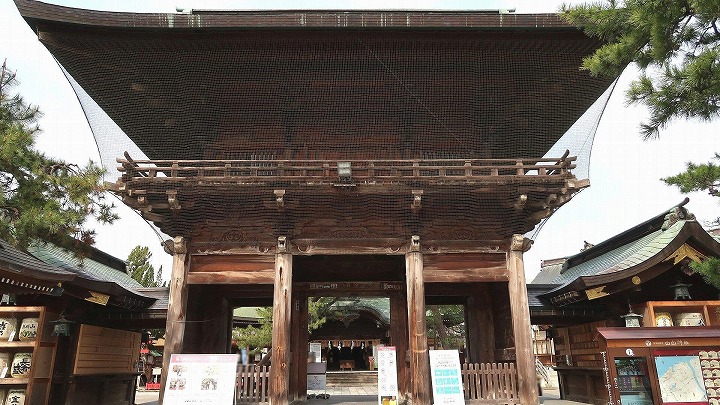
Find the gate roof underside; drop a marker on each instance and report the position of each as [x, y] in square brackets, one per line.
[443, 118]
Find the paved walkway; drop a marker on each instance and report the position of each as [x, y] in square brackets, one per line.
[359, 396]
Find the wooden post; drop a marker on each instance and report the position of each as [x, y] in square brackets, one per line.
[527, 379]
[299, 342]
[282, 307]
[419, 357]
[480, 326]
[177, 304]
[399, 339]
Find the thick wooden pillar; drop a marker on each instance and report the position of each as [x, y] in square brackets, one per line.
[517, 289]
[480, 326]
[177, 306]
[399, 339]
[299, 342]
[216, 331]
[282, 307]
[419, 357]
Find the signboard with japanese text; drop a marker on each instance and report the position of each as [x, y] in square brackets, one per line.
[387, 375]
[446, 377]
[201, 379]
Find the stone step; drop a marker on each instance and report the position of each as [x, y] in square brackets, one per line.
[351, 379]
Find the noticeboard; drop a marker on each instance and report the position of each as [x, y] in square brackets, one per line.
[446, 377]
[201, 378]
[387, 375]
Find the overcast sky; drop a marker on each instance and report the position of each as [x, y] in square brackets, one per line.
[625, 171]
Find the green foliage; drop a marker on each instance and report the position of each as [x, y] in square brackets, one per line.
[698, 177]
[710, 270]
[140, 269]
[256, 337]
[42, 197]
[319, 309]
[446, 324]
[676, 44]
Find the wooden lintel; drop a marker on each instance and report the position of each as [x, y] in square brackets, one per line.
[231, 277]
[477, 275]
[230, 263]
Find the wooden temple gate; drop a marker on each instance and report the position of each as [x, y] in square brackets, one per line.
[490, 284]
[397, 153]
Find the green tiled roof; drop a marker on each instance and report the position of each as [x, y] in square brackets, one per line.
[88, 268]
[623, 257]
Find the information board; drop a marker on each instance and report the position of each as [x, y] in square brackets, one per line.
[316, 352]
[446, 377]
[201, 379]
[387, 375]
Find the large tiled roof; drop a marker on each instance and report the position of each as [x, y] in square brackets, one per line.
[18, 260]
[85, 267]
[549, 271]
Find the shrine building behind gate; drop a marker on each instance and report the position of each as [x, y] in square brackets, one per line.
[290, 154]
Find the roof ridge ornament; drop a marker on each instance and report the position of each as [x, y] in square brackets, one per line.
[677, 213]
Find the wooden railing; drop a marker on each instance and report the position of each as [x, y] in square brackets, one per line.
[253, 384]
[543, 347]
[361, 170]
[490, 383]
[485, 383]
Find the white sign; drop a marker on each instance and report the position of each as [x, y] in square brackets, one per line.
[201, 379]
[316, 382]
[387, 375]
[316, 350]
[446, 377]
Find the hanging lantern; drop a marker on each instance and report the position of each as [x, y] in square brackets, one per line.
[61, 327]
[681, 291]
[632, 320]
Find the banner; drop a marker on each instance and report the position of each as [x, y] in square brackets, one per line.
[201, 379]
[387, 375]
[446, 377]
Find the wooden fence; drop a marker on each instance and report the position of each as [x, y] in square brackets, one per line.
[490, 383]
[253, 384]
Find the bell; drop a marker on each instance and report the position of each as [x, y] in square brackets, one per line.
[681, 291]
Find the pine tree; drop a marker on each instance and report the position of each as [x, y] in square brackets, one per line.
[42, 197]
[676, 45]
[140, 269]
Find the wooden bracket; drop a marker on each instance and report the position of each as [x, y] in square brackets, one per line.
[417, 199]
[415, 243]
[173, 202]
[280, 198]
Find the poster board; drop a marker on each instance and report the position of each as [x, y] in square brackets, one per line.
[446, 377]
[316, 352]
[688, 376]
[201, 378]
[387, 375]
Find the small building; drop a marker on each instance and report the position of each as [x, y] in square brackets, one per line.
[632, 322]
[67, 315]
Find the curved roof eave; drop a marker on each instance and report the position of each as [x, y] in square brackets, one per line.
[35, 12]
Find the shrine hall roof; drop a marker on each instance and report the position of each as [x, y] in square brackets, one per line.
[628, 253]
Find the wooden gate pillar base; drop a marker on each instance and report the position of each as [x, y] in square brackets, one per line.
[419, 356]
[177, 305]
[282, 307]
[517, 289]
